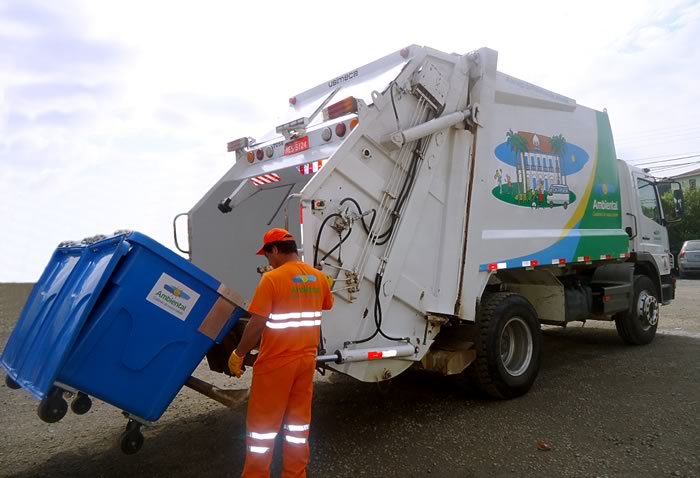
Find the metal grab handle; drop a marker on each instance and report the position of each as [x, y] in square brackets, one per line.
[635, 225]
[177, 245]
[286, 208]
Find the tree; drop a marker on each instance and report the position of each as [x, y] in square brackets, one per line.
[689, 226]
[558, 144]
[518, 144]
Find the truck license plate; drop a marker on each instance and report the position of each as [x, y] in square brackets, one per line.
[296, 146]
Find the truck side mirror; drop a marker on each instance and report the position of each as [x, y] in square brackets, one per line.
[678, 199]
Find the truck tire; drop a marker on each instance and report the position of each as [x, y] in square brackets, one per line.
[637, 326]
[509, 346]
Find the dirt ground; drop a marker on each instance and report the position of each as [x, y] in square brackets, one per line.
[606, 409]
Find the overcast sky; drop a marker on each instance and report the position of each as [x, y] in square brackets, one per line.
[116, 114]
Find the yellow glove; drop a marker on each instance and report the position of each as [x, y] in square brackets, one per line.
[330, 281]
[235, 365]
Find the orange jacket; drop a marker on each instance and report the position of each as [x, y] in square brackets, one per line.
[292, 298]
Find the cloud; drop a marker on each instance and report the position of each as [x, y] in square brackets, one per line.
[646, 79]
[53, 43]
[111, 117]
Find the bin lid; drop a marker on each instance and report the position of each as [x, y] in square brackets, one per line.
[177, 260]
[56, 310]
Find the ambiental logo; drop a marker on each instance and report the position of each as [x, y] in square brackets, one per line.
[303, 279]
[176, 292]
[173, 296]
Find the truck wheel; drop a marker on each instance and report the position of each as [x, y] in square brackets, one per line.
[637, 326]
[508, 346]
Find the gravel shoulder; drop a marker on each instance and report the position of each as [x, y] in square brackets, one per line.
[605, 408]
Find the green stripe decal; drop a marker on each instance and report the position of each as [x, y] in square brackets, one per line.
[603, 215]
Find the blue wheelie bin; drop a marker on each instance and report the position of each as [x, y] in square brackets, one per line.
[122, 319]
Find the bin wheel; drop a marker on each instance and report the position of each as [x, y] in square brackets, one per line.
[131, 439]
[81, 404]
[11, 383]
[53, 407]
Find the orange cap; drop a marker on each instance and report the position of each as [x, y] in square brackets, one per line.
[274, 235]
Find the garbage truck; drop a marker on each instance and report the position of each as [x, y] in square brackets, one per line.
[457, 209]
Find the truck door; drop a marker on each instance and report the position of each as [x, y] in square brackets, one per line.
[651, 233]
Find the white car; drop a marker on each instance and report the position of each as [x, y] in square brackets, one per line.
[689, 258]
[558, 195]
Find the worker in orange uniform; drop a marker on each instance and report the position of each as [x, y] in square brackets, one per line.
[286, 313]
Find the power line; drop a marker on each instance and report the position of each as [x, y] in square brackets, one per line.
[674, 166]
[690, 156]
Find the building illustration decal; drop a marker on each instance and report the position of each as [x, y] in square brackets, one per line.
[538, 172]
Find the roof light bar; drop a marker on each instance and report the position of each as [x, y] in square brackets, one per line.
[341, 108]
[297, 123]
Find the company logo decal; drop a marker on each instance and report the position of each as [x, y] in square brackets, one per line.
[173, 296]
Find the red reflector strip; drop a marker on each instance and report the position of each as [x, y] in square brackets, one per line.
[605, 257]
[559, 261]
[497, 265]
[374, 355]
[625, 255]
[584, 259]
[531, 263]
[265, 179]
[301, 214]
[311, 168]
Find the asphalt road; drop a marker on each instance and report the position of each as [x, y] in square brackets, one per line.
[603, 409]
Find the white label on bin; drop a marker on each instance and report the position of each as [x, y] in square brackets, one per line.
[173, 296]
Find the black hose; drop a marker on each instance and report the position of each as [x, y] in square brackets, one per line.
[342, 240]
[362, 217]
[376, 324]
[377, 315]
[393, 104]
[318, 237]
[403, 195]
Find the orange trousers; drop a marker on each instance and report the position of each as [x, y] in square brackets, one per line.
[280, 402]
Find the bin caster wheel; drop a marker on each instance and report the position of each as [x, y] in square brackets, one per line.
[53, 407]
[11, 383]
[81, 404]
[131, 439]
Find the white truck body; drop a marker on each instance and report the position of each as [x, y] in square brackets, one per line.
[480, 183]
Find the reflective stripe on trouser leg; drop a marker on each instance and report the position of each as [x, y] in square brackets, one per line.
[297, 421]
[266, 408]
